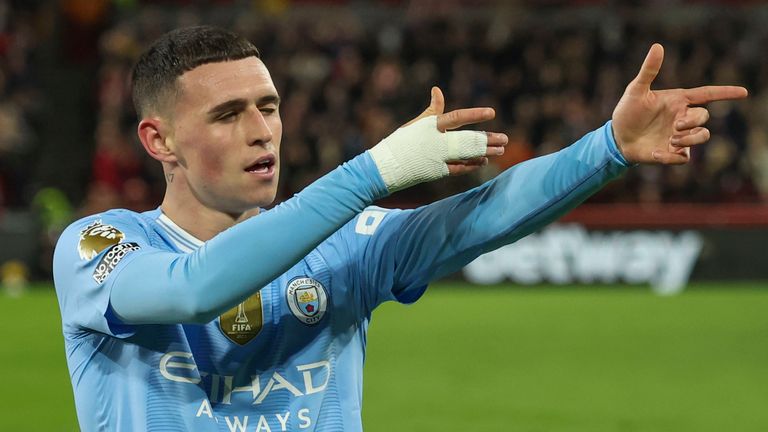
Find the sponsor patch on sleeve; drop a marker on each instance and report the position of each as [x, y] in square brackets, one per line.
[112, 258]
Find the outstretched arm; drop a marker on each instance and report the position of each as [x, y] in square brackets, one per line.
[647, 127]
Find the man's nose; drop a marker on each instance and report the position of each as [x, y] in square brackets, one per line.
[259, 132]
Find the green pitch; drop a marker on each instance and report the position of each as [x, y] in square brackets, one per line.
[536, 359]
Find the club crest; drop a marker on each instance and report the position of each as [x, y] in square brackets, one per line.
[96, 237]
[307, 299]
[244, 321]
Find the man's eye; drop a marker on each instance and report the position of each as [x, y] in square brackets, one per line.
[269, 109]
[228, 116]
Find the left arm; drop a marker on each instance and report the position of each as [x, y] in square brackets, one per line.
[647, 126]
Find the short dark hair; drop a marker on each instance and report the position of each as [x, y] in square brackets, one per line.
[176, 52]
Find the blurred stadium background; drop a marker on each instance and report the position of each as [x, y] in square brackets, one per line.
[643, 310]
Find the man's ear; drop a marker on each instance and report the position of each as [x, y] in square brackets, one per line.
[154, 136]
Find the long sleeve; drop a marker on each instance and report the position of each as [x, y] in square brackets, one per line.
[139, 283]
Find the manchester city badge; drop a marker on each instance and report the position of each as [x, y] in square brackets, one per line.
[307, 299]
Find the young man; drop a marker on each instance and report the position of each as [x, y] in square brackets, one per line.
[200, 316]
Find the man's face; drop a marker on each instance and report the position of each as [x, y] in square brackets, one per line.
[225, 132]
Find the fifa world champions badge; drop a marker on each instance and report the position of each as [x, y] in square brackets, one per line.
[307, 299]
[243, 322]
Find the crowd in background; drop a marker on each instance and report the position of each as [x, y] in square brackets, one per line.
[350, 74]
[20, 104]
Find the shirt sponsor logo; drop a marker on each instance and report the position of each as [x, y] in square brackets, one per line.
[300, 380]
[111, 259]
[96, 237]
[307, 299]
[243, 322]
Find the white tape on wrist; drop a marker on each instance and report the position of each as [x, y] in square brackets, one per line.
[418, 152]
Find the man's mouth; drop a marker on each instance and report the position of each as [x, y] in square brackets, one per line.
[264, 165]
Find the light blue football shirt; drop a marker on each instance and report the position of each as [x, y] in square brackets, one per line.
[290, 355]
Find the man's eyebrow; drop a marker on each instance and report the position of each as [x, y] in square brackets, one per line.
[230, 105]
[269, 99]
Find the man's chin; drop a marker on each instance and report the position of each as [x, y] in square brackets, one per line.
[244, 212]
[263, 201]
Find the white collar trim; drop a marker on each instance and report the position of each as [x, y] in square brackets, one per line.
[188, 238]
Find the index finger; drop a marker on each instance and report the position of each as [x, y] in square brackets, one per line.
[461, 117]
[706, 94]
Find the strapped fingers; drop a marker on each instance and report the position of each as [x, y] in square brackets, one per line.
[465, 144]
[706, 94]
[694, 117]
[692, 137]
[461, 117]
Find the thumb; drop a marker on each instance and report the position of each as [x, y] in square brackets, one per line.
[437, 101]
[649, 70]
[436, 105]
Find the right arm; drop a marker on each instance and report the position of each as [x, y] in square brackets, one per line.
[150, 285]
